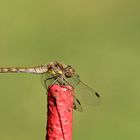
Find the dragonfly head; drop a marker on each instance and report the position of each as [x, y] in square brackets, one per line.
[69, 71]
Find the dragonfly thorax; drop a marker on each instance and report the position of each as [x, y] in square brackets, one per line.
[59, 69]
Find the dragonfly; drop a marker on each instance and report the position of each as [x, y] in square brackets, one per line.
[59, 73]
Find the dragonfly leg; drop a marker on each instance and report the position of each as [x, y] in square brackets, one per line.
[55, 80]
[45, 81]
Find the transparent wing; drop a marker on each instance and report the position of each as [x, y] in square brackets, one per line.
[84, 92]
[47, 80]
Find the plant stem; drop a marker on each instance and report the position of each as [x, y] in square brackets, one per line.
[60, 110]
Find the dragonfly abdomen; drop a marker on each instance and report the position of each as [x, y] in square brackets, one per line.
[34, 70]
[9, 70]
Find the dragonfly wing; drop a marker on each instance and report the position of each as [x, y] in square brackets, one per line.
[74, 80]
[46, 80]
[84, 92]
[87, 94]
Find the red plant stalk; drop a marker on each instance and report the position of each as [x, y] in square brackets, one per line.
[60, 110]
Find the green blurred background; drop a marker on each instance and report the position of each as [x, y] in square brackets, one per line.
[101, 39]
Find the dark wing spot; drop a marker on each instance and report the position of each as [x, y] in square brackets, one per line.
[97, 94]
[74, 106]
[78, 101]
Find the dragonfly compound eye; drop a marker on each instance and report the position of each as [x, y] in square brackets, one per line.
[69, 71]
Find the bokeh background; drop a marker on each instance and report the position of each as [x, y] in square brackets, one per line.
[101, 39]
